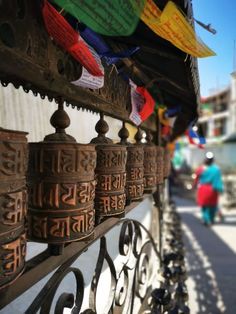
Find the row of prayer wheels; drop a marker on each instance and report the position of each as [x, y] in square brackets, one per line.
[70, 186]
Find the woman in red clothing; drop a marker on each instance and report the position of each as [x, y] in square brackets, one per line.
[209, 180]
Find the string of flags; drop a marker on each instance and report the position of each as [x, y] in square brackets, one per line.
[102, 48]
[78, 28]
[194, 138]
[110, 17]
[120, 18]
[167, 117]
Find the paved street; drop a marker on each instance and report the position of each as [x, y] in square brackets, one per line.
[211, 261]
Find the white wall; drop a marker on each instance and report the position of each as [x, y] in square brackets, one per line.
[224, 156]
[25, 112]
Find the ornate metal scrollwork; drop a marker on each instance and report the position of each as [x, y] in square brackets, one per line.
[132, 277]
[172, 296]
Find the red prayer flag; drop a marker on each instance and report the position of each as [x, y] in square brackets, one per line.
[191, 141]
[69, 39]
[142, 104]
[149, 104]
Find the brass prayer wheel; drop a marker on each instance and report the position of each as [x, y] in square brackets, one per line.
[13, 204]
[110, 172]
[160, 164]
[61, 186]
[149, 163]
[134, 167]
[167, 163]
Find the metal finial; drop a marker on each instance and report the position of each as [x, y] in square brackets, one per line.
[101, 128]
[138, 136]
[60, 121]
[123, 134]
[149, 137]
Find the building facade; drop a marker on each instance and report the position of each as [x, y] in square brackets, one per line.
[218, 124]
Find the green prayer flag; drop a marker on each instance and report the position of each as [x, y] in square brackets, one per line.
[155, 93]
[107, 17]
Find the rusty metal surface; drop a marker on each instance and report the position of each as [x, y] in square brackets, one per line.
[135, 170]
[110, 195]
[61, 191]
[134, 167]
[150, 167]
[160, 164]
[61, 181]
[167, 162]
[13, 204]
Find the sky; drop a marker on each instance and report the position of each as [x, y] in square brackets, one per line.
[215, 71]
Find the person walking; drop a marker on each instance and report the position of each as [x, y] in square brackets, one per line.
[209, 186]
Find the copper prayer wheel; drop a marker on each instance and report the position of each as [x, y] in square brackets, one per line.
[160, 164]
[134, 167]
[149, 163]
[61, 187]
[13, 204]
[110, 172]
[167, 162]
[135, 171]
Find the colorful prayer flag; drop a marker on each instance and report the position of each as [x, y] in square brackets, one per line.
[88, 80]
[172, 25]
[110, 17]
[142, 104]
[70, 40]
[194, 138]
[102, 48]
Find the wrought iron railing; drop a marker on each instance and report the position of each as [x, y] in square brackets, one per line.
[129, 269]
[120, 283]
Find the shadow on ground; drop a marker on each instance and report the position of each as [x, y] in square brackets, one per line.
[215, 280]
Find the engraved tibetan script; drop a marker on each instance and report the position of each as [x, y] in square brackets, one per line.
[14, 208]
[60, 227]
[86, 192]
[111, 204]
[62, 161]
[12, 159]
[111, 158]
[135, 156]
[149, 181]
[83, 222]
[14, 256]
[55, 195]
[135, 190]
[111, 182]
[135, 173]
[38, 226]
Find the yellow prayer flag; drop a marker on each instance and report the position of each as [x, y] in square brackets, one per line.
[162, 118]
[171, 148]
[172, 25]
